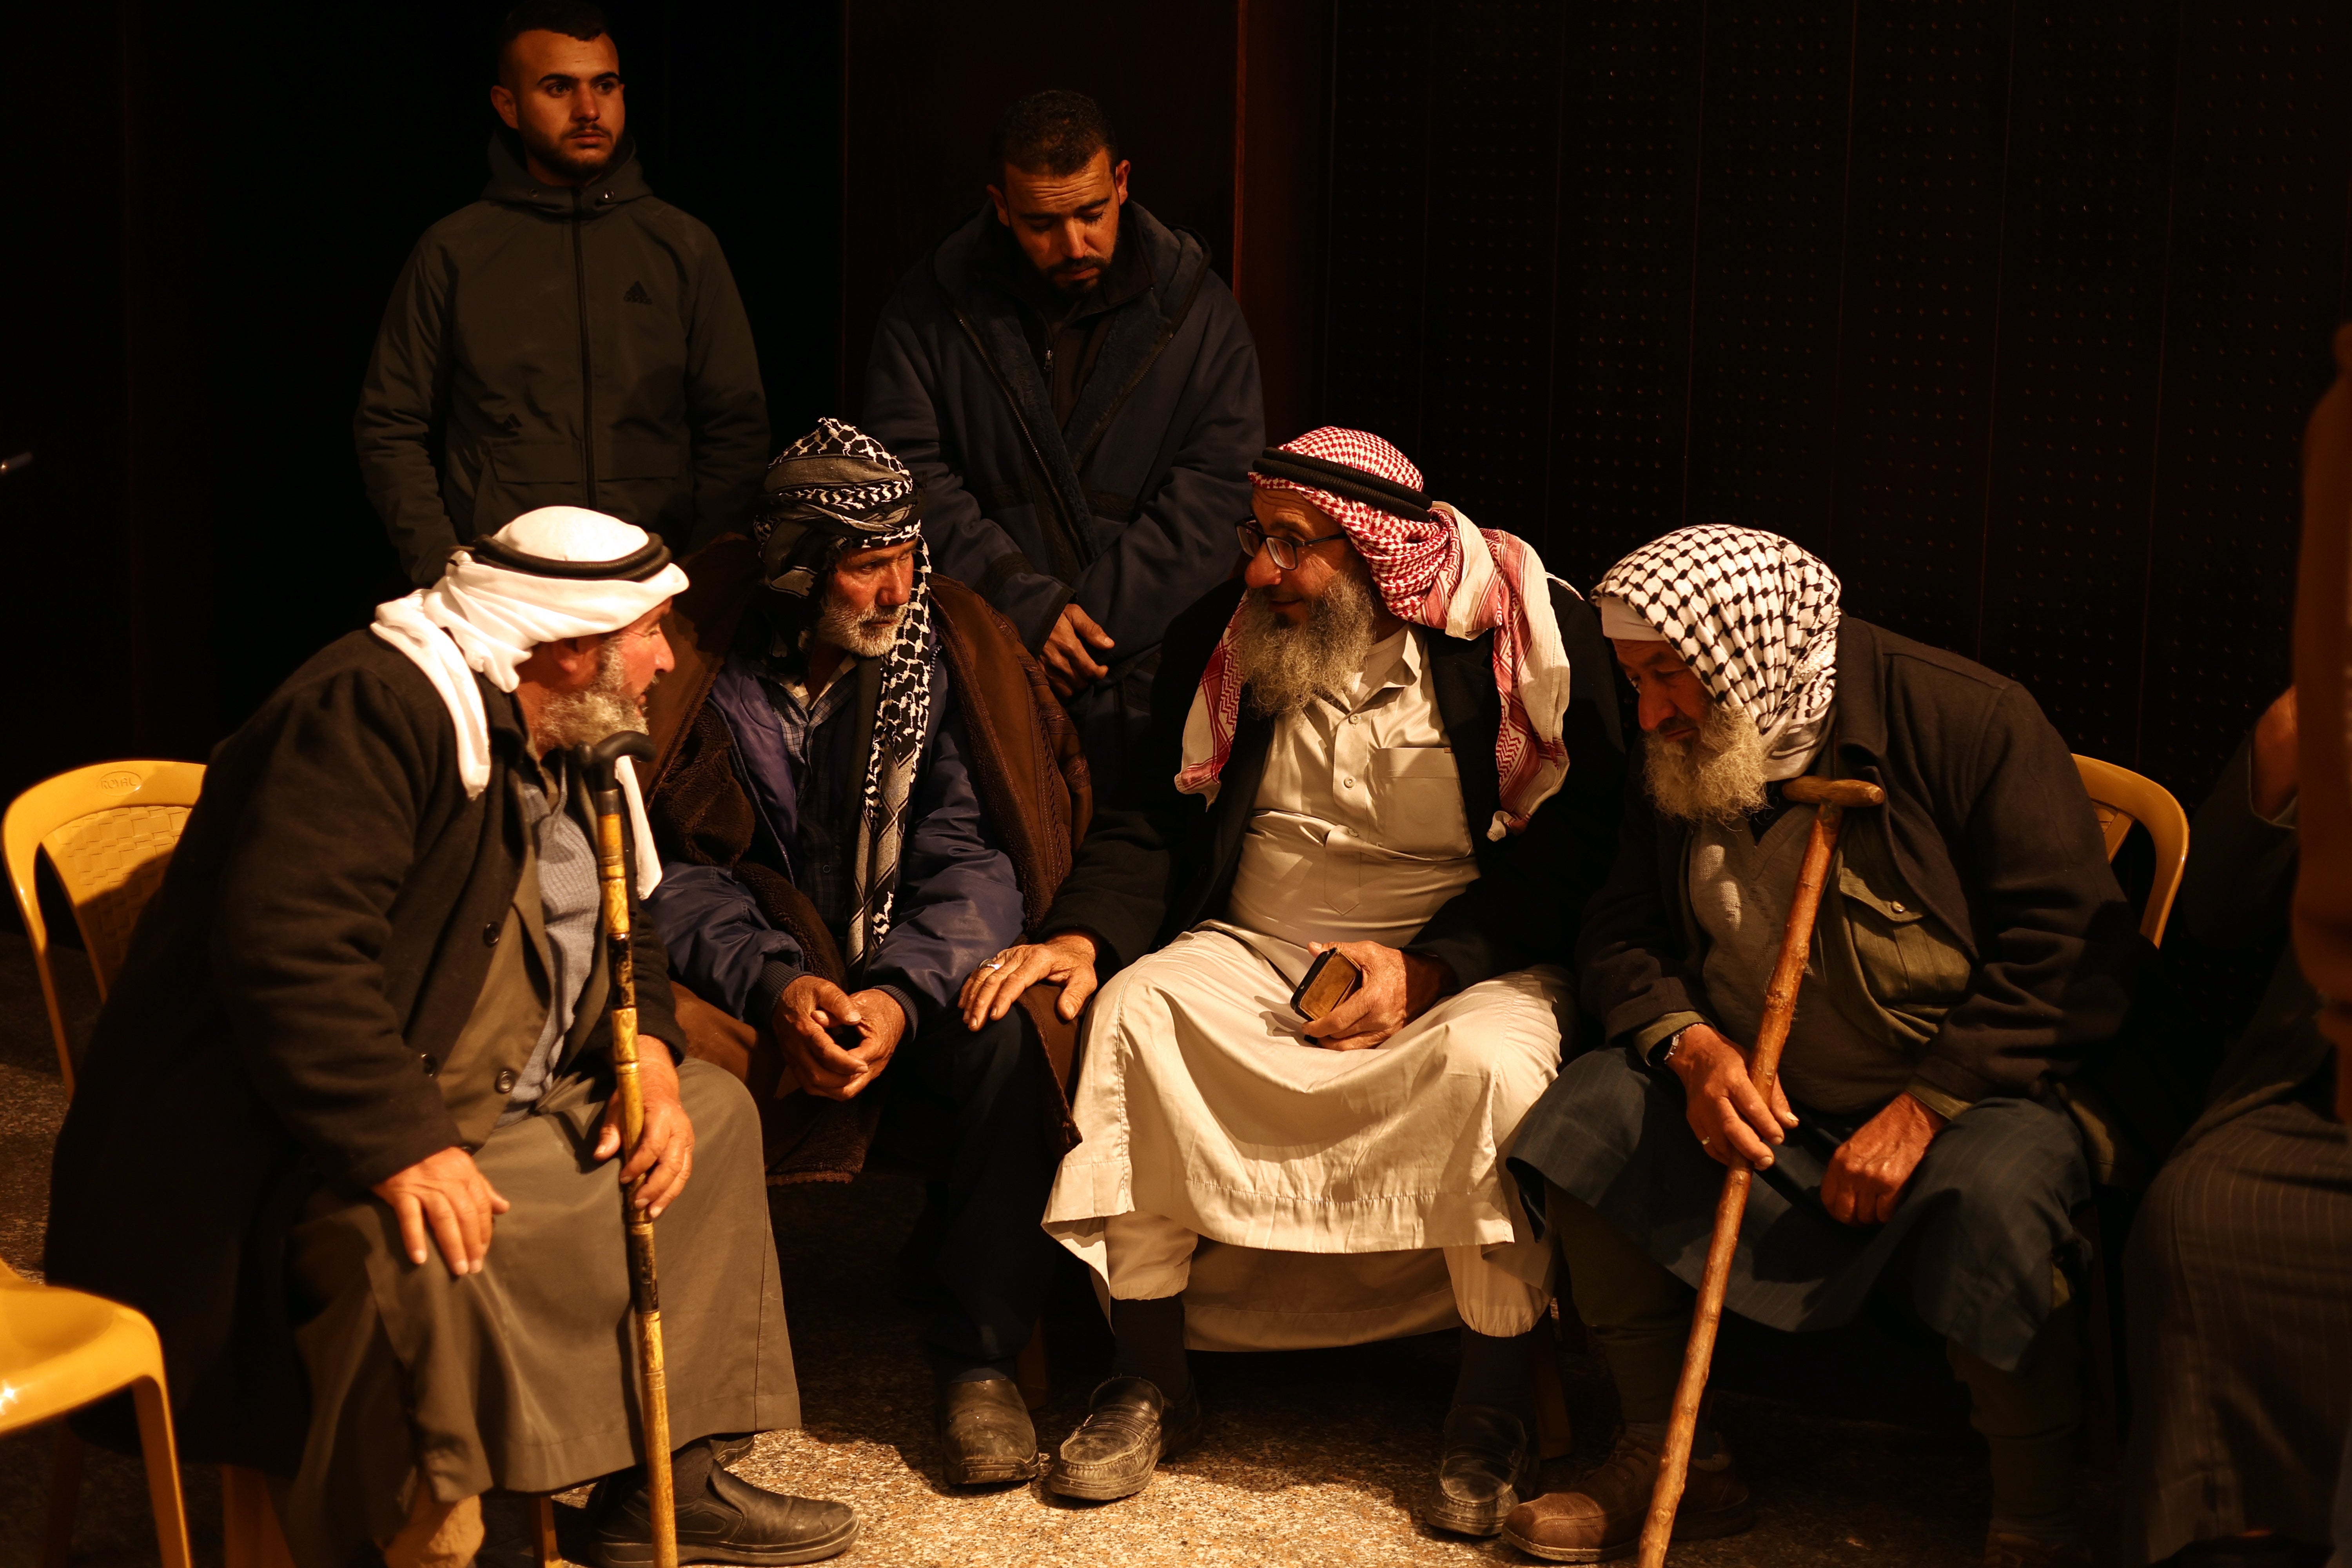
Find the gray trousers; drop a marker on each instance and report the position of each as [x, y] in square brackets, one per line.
[522, 1377]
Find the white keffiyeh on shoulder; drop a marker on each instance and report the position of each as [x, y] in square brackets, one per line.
[1753, 616]
[484, 618]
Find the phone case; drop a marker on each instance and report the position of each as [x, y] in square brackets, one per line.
[1331, 979]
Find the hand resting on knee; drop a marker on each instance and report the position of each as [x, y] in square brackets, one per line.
[1065, 959]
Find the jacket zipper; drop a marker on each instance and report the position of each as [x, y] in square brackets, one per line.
[587, 366]
[1072, 535]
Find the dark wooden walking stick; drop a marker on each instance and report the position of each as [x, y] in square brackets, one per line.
[1832, 798]
[599, 764]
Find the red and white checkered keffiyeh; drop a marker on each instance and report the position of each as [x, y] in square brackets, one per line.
[1443, 574]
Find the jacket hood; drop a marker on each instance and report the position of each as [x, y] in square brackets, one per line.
[965, 259]
[510, 184]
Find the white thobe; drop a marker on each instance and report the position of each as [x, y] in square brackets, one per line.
[1205, 1113]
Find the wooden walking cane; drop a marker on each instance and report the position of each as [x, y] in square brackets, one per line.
[1832, 798]
[600, 765]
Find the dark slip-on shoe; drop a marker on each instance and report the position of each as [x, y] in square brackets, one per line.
[728, 1521]
[1599, 1519]
[1129, 1429]
[985, 1433]
[1489, 1466]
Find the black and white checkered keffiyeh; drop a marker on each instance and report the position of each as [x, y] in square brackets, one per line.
[838, 489]
[1753, 616]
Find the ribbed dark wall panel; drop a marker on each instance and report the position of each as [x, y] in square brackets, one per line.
[2012, 311]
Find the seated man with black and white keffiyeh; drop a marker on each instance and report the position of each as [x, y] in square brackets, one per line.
[857, 791]
[1972, 948]
[1395, 738]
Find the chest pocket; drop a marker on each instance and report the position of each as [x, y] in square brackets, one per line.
[1908, 963]
[1416, 799]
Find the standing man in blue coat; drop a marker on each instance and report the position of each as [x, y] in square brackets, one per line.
[1079, 393]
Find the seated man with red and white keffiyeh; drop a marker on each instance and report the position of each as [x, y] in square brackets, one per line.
[1396, 736]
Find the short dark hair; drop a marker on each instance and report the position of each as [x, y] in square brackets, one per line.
[1051, 132]
[572, 18]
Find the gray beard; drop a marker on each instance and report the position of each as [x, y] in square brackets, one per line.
[602, 708]
[1287, 666]
[1718, 776]
[868, 636]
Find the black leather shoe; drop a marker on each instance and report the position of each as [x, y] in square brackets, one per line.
[725, 1519]
[1129, 1429]
[1491, 1465]
[985, 1433]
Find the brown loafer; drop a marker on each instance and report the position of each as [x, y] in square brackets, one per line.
[1130, 1427]
[985, 1433]
[1599, 1519]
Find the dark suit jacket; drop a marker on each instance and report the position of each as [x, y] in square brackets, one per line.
[1160, 862]
[290, 993]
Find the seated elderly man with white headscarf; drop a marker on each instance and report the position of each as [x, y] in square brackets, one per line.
[1973, 946]
[365, 1021]
[1376, 743]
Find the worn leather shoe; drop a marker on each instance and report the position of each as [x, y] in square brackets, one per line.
[1129, 1429]
[725, 1519]
[1599, 1519]
[1490, 1463]
[985, 1433]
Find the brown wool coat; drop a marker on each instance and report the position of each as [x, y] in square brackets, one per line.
[1027, 765]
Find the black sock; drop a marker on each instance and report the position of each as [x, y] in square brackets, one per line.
[690, 1467]
[1498, 1371]
[961, 1370]
[1152, 1344]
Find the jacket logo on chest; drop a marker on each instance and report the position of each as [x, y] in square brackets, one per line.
[637, 295]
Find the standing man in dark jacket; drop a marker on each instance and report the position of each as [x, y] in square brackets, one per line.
[1973, 947]
[1079, 393]
[568, 339]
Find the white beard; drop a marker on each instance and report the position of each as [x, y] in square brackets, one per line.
[1716, 776]
[1286, 665]
[864, 636]
[602, 708]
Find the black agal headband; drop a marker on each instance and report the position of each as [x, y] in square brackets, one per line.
[635, 567]
[1351, 484]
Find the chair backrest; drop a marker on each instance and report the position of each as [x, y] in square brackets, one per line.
[2121, 798]
[109, 830]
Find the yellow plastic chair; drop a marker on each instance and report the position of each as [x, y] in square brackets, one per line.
[109, 830]
[2121, 798]
[60, 1350]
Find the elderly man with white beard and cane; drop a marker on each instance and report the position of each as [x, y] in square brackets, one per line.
[365, 1019]
[1972, 947]
[1394, 742]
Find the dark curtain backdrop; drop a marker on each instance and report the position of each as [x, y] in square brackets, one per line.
[211, 206]
[2012, 312]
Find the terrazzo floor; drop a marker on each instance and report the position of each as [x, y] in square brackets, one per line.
[1310, 1458]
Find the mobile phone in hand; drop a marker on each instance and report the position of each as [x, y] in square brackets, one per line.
[1331, 979]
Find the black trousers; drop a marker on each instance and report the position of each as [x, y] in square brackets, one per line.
[977, 1107]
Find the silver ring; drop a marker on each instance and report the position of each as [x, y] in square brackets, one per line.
[994, 963]
[1705, 1142]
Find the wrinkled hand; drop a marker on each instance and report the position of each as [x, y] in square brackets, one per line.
[1867, 1174]
[1729, 1117]
[2275, 762]
[447, 1195]
[810, 1009]
[665, 1150]
[1397, 988]
[1065, 959]
[1070, 668]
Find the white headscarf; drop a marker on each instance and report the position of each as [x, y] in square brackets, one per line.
[486, 619]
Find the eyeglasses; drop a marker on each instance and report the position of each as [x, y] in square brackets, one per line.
[1284, 549]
